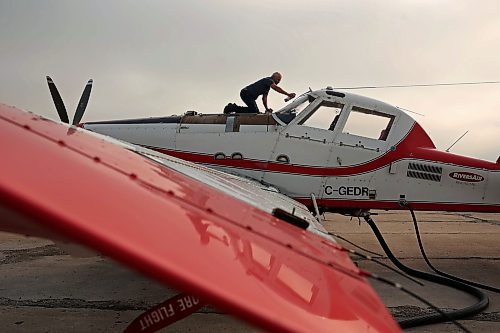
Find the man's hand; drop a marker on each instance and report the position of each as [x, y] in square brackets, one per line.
[290, 96]
[269, 110]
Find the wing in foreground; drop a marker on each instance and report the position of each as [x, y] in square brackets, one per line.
[189, 227]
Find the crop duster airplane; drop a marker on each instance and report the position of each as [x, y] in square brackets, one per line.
[240, 235]
[344, 152]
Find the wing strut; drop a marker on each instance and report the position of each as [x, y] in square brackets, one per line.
[316, 209]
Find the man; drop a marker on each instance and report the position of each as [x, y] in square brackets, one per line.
[250, 93]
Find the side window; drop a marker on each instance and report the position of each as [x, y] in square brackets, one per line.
[368, 123]
[324, 117]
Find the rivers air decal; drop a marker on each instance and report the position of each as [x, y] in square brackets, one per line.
[467, 177]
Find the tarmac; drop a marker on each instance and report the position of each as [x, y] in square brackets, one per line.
[42, 289]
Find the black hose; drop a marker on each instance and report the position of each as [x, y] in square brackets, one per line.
[456, 278]
[482, 303]
[421, 299]
[354, 244]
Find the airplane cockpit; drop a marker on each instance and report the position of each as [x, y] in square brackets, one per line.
[352, 117]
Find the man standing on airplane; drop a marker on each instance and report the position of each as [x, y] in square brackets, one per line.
[250, 93]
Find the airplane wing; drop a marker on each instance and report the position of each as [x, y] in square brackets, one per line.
[204, 232]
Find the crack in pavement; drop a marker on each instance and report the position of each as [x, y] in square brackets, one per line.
[399, 312]
[407, 311]
[78, 303]
[479, 220]
[20, 255]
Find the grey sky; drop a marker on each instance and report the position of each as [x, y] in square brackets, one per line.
[151, 58]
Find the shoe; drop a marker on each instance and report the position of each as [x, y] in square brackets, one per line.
[227, 109]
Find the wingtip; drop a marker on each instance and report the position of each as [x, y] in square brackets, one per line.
[49, 79]
[90, 82]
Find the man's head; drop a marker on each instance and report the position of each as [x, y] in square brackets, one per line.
[276, 77]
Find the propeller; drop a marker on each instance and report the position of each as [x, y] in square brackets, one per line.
[61, 109]
[56, 97]
[82, 104]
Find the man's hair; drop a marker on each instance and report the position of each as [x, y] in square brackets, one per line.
[276, 73]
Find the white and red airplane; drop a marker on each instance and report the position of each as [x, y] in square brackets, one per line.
[248, 247]
[347, 152]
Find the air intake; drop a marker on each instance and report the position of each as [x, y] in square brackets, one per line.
[424, 171]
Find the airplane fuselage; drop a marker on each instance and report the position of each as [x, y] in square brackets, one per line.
[351, 152]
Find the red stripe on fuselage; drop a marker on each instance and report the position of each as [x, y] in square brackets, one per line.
[394, 205]
[416, 145]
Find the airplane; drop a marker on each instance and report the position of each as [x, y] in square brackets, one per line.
[333, 151]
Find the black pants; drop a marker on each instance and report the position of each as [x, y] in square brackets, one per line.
[249, 101]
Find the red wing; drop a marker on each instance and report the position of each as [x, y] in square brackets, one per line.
[174, 225]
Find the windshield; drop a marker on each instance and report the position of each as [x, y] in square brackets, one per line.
[289, 112]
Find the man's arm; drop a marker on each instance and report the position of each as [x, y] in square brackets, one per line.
[264, 101]
[281, 91]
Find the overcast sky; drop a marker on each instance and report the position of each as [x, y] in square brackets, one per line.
[152, 58]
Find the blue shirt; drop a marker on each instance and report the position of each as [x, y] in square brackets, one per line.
[260, 87]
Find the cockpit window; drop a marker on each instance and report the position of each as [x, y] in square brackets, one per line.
[368, 123]
[291, 111]
[324, 117]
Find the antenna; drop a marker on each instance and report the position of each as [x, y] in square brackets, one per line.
[422, 85]
[420, 114]
[447, 150]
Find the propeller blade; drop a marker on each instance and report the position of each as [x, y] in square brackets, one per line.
[58, 102]
[82, 105]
